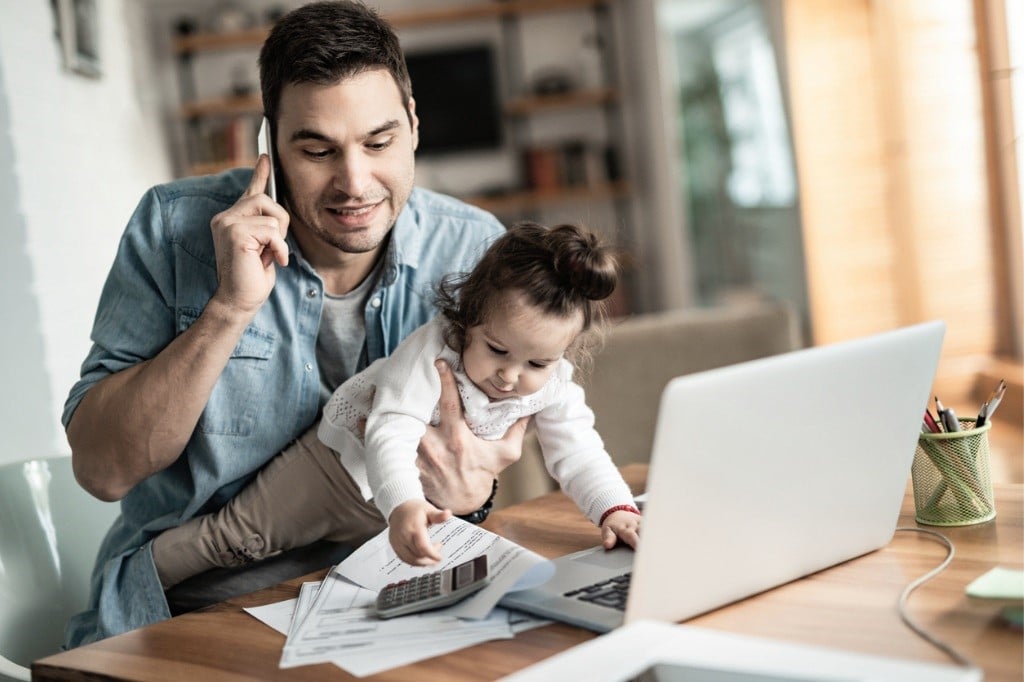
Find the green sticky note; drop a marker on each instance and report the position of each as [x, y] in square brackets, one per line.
[999, 583]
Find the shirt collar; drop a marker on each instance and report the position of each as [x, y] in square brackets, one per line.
[407, 235]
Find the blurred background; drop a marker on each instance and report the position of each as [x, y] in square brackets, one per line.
[858, 159]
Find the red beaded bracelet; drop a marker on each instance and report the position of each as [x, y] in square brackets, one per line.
[618, 507]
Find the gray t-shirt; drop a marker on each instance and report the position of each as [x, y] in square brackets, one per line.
[341, 342]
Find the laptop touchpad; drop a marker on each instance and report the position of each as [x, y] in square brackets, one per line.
[674, 672]
[620, 557]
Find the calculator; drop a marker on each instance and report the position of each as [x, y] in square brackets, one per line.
[433, 590]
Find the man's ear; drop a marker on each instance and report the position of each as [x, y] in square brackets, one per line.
[414, 122]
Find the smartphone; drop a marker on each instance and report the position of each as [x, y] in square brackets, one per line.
[433, 590]
[265, 145]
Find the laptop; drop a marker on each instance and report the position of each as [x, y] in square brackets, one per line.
[761, 473]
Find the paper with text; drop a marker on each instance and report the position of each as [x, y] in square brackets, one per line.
[346, 635]
[334, 620]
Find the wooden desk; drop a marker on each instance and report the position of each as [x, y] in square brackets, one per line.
[851, 606]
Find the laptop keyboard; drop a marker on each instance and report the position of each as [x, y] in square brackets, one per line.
[611, 592]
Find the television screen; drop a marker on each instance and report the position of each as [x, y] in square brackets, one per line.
[456, 99]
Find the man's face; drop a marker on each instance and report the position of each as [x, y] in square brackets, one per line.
[346, 152]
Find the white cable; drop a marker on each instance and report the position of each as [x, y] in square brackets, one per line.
[905, 596]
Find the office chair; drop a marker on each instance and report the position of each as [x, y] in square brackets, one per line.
[50, 530]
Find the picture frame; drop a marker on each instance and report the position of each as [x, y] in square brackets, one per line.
[78, 34]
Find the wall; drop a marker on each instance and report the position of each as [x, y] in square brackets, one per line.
[662, 249]
[890, 149]
[75, 155]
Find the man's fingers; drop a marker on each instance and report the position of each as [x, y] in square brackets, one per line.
[429, 446]
[509, 449]
[517, 431]
[261, 237]
[256, 202]
[276, 250]
[450, 405]
[252, 211]
[260, 176]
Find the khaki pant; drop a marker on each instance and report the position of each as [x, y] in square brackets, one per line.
[301, 496]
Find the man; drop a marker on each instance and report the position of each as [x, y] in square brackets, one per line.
[227, 319]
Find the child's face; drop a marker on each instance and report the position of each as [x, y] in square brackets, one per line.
[515, 351]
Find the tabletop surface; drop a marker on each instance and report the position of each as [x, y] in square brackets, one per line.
[851, 606]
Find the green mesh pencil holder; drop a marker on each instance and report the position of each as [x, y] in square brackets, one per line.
[952, 478]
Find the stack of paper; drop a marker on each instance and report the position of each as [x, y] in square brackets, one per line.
[333, 620]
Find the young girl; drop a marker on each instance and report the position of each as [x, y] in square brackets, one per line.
[508, 330]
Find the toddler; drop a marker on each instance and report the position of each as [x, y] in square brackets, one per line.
[508, 330]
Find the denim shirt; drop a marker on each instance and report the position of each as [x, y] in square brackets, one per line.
[163, 275]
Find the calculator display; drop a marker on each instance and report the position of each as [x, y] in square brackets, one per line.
[463, 575]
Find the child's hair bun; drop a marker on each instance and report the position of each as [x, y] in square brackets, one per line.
[587, 266]
[565, 270]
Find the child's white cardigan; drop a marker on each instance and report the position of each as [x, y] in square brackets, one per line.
[403, 391]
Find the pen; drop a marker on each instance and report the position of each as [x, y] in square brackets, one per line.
[930, 422]
[982, 416]
[947, 416]
[949, 420]
[990, 405]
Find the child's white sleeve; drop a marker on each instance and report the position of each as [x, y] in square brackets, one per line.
[407, 392]
[574, 454]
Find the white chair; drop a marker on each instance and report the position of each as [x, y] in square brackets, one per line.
[50, 530]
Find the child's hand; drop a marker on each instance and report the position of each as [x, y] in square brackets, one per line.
[407, 531]
[620, 525]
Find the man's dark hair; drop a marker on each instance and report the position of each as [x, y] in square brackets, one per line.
[325, 42]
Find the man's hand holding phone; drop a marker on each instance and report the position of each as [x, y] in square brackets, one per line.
[248, 241]
[265, 145]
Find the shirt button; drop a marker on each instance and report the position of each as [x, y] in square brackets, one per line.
[311, 293]
[309, 366]
[375, 302]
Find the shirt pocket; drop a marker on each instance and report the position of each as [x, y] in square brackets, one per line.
[235, 402]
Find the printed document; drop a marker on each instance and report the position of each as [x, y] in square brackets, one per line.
[334, 620]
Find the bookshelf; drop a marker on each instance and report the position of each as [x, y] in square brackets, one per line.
[216, 127]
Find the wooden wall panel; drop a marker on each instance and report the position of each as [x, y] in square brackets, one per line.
[889, 136]
[840, 157]
[943, 133]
